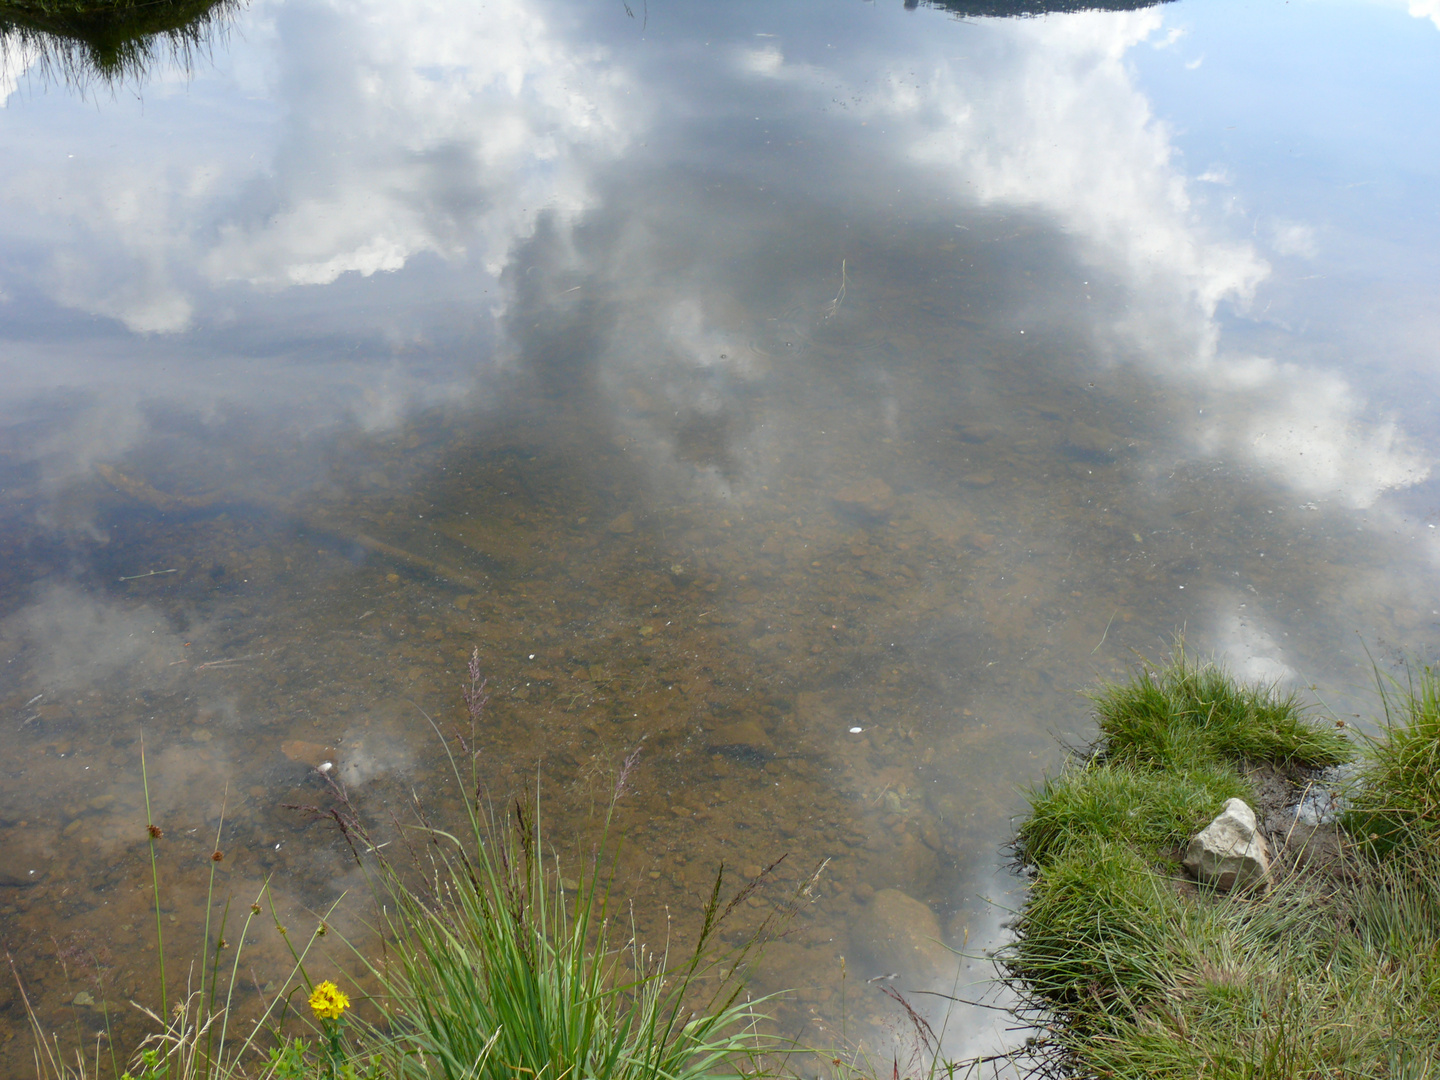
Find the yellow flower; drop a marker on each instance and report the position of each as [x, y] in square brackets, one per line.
[328, 1001]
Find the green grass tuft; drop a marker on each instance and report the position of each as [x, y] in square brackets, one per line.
[1187, 714]
[1279, 988]
[1396, 801]
[497, 971]
[1095, 933]
[1149, 810]
[1333, 972]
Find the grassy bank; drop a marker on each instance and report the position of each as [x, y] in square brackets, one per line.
[483, 962]
[1134, 970]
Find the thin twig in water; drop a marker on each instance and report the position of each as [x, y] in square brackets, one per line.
[1106, 634]
[839, 296]
[226, 662]
[150, 573]
[967, 1001]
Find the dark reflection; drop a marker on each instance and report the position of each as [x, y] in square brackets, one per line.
[703, 439]
[110, 42]
[1005, 9]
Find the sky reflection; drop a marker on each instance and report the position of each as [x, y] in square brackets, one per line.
[446, 138]
[910, 371]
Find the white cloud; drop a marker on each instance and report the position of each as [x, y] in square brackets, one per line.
[1063, 129]
[1060, 127]
[1426, 9]
[1247, 647]
[1294, 238]
[101, 430]
[15, 61]
[449, 128]
[767, 61]
[446, 127]
[76, 640]
[146, 298]
[1310, 428]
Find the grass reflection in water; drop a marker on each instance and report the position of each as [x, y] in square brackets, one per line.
[84, 43]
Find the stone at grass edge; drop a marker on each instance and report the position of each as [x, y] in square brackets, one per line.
[1229, 852]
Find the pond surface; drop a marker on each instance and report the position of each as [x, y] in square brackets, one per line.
[816, 398]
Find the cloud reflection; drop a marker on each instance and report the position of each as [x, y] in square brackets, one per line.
[1055, 123]
[444, 129]
[453, 131]
[1426, 9]
[77, 640]
[1246, 646]
[447, 129]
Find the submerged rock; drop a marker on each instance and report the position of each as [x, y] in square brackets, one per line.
[23, 860]
[1229, 852]
[871, 497]
[307, 753]
[744, 741]
[899, 933]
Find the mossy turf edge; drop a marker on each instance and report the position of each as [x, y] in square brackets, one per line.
[1130, 969]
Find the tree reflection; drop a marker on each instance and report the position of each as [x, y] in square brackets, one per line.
[999, 9]
[84, 43]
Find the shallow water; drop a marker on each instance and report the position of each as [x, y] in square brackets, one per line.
[817, 400]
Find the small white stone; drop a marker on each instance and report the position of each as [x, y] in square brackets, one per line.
[1229, 852]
